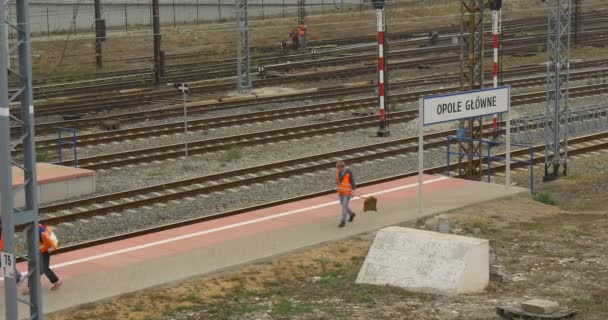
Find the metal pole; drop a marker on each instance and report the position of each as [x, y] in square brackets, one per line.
[98, 48]
[558, 75]
[48, 25]
[196, 11]
[495, 22]
[508, 146]
[28, 216]
[126, 19]
[420, 158]
[174, 22]
[219, 10]
[157, 41]
[242, 47]
[383, 129]
[185, 123]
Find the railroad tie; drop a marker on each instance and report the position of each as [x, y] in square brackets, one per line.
[160, 204]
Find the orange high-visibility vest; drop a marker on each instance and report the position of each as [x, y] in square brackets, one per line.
[46, 239]
[344, 186]
[302, 30]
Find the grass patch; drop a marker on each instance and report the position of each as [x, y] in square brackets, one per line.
[42, 156]
[234, 153]
[545, 198]
[287, 308]
[262, 108]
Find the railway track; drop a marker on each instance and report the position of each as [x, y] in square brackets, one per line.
[224, 143]
[577, 146]
[226, 180]
[513, 26]
[176, 111]
[94, 103]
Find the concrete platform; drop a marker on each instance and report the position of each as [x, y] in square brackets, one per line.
[117, 268]
[55, 183]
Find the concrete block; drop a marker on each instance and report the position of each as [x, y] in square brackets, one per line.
[424, 261]
[443, 223]
[81, 186]
[540, 306]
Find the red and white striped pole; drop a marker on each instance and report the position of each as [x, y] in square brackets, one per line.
[383, 129]
[495, 32]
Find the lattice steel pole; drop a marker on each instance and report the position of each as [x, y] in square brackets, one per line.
[157, 42]
[302, 14]
[472, 71]
[26, 217]
[243, 64]
[558, 74]
[578, 21]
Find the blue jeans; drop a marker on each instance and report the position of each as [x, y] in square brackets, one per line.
[346, 211]
[302, 41]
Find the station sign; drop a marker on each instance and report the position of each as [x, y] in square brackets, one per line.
[463, 105]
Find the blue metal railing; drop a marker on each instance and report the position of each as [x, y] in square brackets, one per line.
[490, 144]
[61, 143]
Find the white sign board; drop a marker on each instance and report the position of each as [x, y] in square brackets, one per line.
[7, 263]
[456, 106]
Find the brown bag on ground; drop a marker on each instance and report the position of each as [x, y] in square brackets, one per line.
[370, 204]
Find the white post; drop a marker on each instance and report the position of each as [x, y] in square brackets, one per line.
[420, 158]
[185, 124]
[508, 146]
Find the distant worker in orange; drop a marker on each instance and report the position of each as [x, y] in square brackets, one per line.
[293, 34]
[302, 32]
[346, 187]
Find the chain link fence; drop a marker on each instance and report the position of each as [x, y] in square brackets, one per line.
[57, 17]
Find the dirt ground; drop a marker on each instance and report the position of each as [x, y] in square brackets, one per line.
[63, 55]
[556, 251]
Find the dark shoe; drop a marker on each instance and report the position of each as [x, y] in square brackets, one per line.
[342, 224]
[352, 217]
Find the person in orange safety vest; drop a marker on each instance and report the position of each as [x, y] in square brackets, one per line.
[345, 182]
[302, 33]
[48, 244]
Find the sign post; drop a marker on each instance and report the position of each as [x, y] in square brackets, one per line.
[456, 106]
[183, 88]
